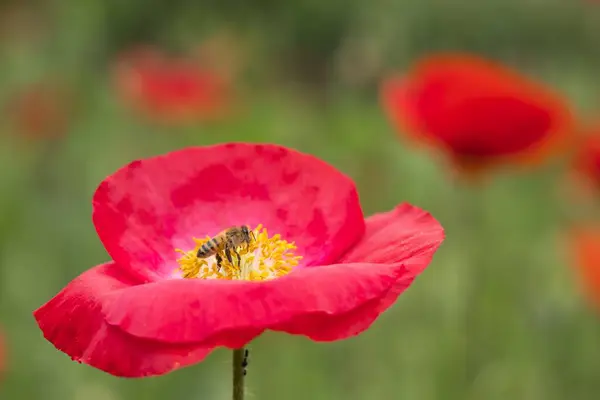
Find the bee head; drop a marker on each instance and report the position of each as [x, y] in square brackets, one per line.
[247, 232]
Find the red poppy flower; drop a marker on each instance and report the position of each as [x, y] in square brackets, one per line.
[168, 89]
[135, 316]
[2, 356]
[39, 111]
[586, 160]
[479, 111]
[581, 183]
[585, 243]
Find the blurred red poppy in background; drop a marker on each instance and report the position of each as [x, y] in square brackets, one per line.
[479, 111]
[39, 110]
[168, 89]
[586, 160]
[580, 186]
[2, 356]
[585, 243]
[324, 271]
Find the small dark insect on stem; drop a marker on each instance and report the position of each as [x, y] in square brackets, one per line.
[245, 360]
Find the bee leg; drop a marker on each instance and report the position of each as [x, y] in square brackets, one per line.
[238, 257]
[219, 261]
[228, 254]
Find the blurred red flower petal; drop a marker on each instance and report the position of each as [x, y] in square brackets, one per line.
[2, 355]
[586, 160]
[479, 111]
[585, 242]
[39, 110]
[171, 90]
[142, 212]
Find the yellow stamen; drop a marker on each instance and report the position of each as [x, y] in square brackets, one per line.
[265, 258]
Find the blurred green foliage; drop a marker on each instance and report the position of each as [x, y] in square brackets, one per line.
[310, 80]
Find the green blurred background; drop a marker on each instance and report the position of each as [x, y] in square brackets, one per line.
[497, 315]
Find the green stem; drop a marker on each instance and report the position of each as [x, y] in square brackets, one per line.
[239, 372]
[471, 219]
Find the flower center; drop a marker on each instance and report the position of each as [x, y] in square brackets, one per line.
[261, 259]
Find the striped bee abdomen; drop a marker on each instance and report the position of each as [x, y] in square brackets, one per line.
[208, 249]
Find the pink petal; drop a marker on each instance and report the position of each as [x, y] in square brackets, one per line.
[325, 303]
[151, 206]
[219, 313]
[73, 322]
[406, 234]
[404, 237]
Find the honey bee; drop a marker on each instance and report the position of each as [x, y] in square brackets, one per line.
[227, 242]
